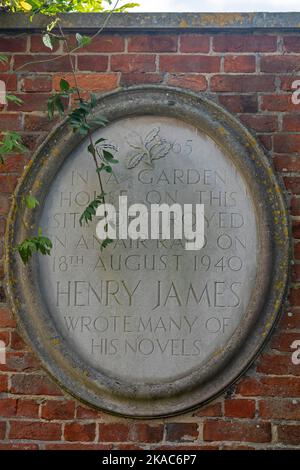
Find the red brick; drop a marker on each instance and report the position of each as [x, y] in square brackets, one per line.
[27, 408]
[240, 104]
[5, 66]
[6, 317]
[213, 409]
[8, 407]
[133, 63]
[286, 163]
[237, 447]
[291, 43]
[2, 429]
[83, 412]
[240, 408]
[192, 82]
[42, 63]
[142, 432]
[8, 183]
[194, 43]
[292, 183]
[239, 63]
[242, 84]
[287, 143]
[295, 203]
[80, 432]
[137, 78]
[10, 121]
[296, 229]
[244, 43]
[33, 83]
[37, 45]
[17, 342]
[296, 272]
[13, 43]
[296, 257]
[40, 122]
[190, 447]
[260, 122]
[33, 384]
[20, 446]
[266, 140]
[152, 43]
[283, 341]
[181, 432]
[278, 103]
[3, 383]
[97, 63]
[287, 82]
[280, 64]
[296, 250]
[128, 447]
[36, 431]
[31, 141]
[270, 386]
[102, 43]
[20, 362]
[236, 431]
[58, 409]
[31, 102]
[89, 82]
[189, 63]
[14, 164]
[291, 122]
[289, 434]
[294, 292]
[279, 409]
[114, 432]
[78, 446]
[4, 209]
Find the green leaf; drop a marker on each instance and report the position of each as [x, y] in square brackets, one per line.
[83, 40]
[55, 103]
[90, 210]
[47, 41]
[3, 58]
[105, 243]
[12, 141]
[31, 202]
[109, 157]
[64, 85]
[33, 245]
[100, 140]
[14, 99]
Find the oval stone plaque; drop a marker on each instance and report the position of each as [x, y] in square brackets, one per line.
[146, 327]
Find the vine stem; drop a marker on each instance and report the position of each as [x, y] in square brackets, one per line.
[92, 146]
[106, 20]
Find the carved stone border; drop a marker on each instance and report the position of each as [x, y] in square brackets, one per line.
[205, 383]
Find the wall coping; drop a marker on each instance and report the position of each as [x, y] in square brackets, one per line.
[141, 22]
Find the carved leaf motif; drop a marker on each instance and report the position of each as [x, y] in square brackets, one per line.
[160, 149]
[135, 141]
[134, 159]
[151, 136]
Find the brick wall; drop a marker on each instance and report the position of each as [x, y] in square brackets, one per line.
[250, 74]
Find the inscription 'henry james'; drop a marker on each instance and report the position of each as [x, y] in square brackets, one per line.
[150, 310]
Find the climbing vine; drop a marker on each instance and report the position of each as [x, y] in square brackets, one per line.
[81, 118]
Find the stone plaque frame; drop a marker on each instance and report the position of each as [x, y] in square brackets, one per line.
[187, 392]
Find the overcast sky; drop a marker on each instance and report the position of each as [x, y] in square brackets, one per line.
[218, 5]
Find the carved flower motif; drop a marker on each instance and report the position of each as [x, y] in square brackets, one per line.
[152, 147]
